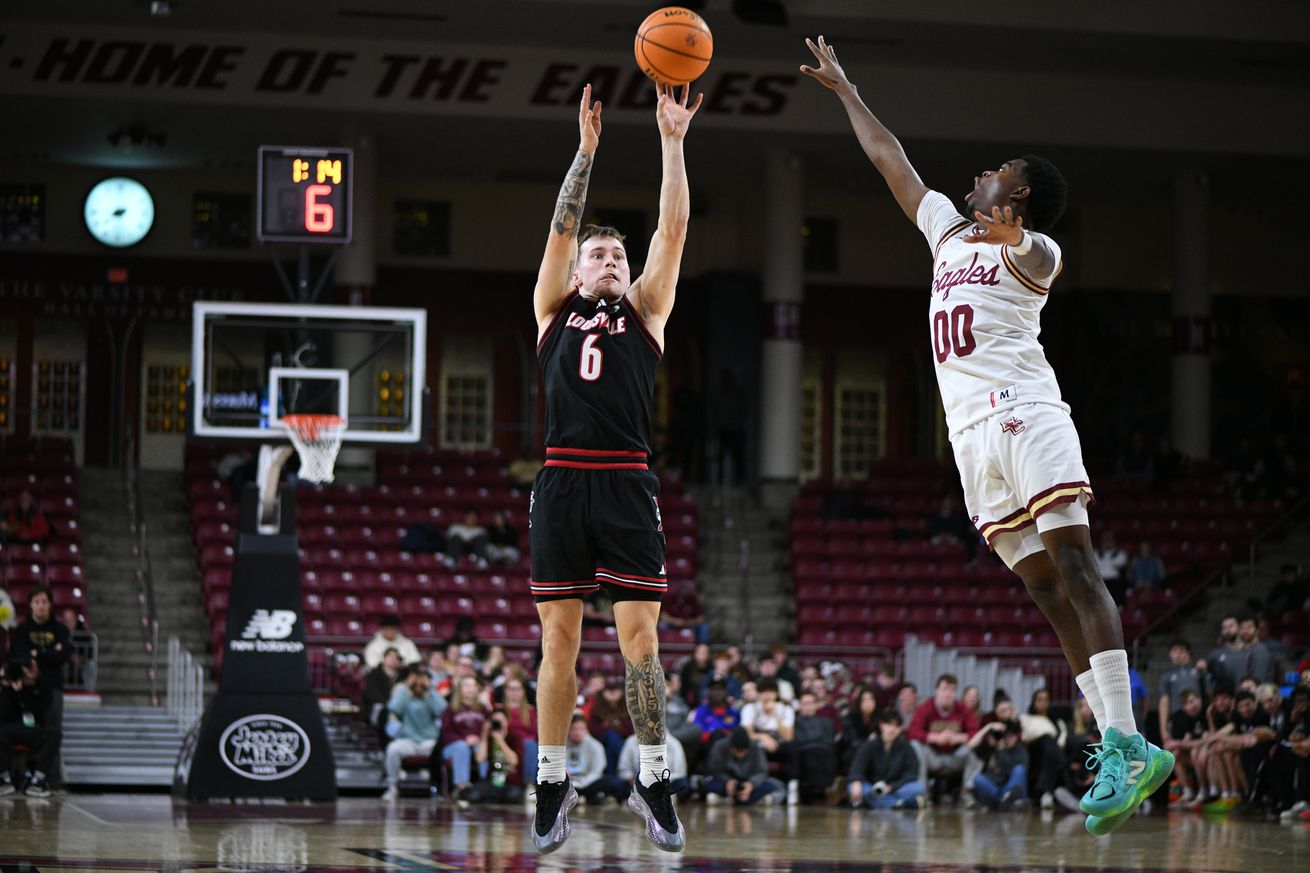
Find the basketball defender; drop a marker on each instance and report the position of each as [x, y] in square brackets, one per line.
[1015, 444]
[594, 518]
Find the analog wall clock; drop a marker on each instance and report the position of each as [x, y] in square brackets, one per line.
[119, 212]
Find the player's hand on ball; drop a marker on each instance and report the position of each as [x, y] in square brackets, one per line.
[1002, 227]
[589, 121]
[673, 113]
[829, 73]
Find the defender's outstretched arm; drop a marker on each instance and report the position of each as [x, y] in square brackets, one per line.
[652, 294]
[882, 147]
[555, 275]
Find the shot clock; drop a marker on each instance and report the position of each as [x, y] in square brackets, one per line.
[304, 195]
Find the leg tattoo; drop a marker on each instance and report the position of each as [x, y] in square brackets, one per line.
[645, 692]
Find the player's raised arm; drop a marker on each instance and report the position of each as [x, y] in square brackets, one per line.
[652, 294]
[877, 141]
[555, 275]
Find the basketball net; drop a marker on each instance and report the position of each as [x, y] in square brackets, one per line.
[317, 439]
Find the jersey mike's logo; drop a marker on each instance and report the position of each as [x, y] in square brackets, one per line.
[266, 624]
[264, 747]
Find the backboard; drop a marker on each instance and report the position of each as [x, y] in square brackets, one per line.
[255, 362]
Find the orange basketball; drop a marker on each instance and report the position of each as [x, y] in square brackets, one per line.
[673, 45]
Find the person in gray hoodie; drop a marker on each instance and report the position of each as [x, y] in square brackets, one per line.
[414, 722]
[585, 763]
[739, 770]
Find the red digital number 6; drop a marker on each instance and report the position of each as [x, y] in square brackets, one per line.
[318, 216]
[954, 332]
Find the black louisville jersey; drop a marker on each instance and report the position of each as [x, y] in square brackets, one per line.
[598, 365]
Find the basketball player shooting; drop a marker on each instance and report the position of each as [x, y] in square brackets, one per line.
[594, 518]
[1015, 444]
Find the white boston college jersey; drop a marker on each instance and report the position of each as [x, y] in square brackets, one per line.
[984, 321]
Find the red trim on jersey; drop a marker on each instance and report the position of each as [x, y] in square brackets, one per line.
[964, 222]
[641, 323]
[637, 587]
[582, 465]
[555, 322]
[1018, 273]
[559, 450]
[633, 576]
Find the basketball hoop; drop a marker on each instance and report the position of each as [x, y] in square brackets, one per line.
[317, 439]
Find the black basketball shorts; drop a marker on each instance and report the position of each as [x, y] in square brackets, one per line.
[594, 528]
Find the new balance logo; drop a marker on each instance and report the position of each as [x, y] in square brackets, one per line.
[1135, 769]
[270, 625]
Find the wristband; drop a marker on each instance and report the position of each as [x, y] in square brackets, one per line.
[1024, 247]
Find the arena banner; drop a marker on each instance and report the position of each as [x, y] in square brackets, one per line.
[263, 735]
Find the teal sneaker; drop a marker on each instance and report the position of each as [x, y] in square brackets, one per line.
[1131, 770]
[1103, 827]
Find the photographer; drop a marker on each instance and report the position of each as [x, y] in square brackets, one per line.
[500, 755]
[23, 706]
[415, 713]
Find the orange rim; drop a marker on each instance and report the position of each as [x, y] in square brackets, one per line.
[309, 426]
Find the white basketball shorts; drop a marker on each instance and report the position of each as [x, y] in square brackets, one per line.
[1022, 472]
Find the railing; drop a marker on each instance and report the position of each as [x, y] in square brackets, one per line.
[80, 672]
[1223, 574]
[144, 577]
[185, 701]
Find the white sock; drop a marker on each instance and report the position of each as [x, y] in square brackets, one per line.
[1087, 684]
[550, 764]
[654, 761]
[1111, 669]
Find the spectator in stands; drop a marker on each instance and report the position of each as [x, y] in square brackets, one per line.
[1289, 765]
[1186, 739]
[378, 686]
[768, 721]
[81, 671]
[812, 754]
[1003, 782]
[1259, 660]
[1146, 570]
[941, 731]
[750, 693]
[739, 771]
[414, 724]
[1045, 736]
[467, 538]
[24, 706]
[716, 716]
[1227, 782]
[609, 721]
[951, 526]
[786, 669]
[584, 759]
[694, 673]
[502, 541]
[598, 610]
[722, 672]
[675, 762]
[1134, 461]
[499, 756]
[972, 700]
[1226, 662]
[884, 772]
[1290, 593]
[591, 690]
[521, 718]
[1112, 561]
[25, 523]
[489, 671]
[466, 638]
[677, 717]
[389, 636]
[1181, 676]
[1246, 741]
[886, 687]
[859, 726]
[907, 701]
[49, 645]
[439, 671]
[421, 536]
[461, 733]
[1003, 708]
[768, 671]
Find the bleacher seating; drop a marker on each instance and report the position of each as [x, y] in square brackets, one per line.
[867, 580]
[44, 466]
[353, 569]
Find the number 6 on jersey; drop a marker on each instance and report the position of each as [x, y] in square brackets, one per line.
[592, 359]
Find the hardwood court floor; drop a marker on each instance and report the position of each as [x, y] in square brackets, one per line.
[125, 833]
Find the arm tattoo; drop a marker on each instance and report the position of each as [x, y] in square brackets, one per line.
[573, 197]
[645, 691]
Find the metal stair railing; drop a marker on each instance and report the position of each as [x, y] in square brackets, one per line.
[185, 701]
